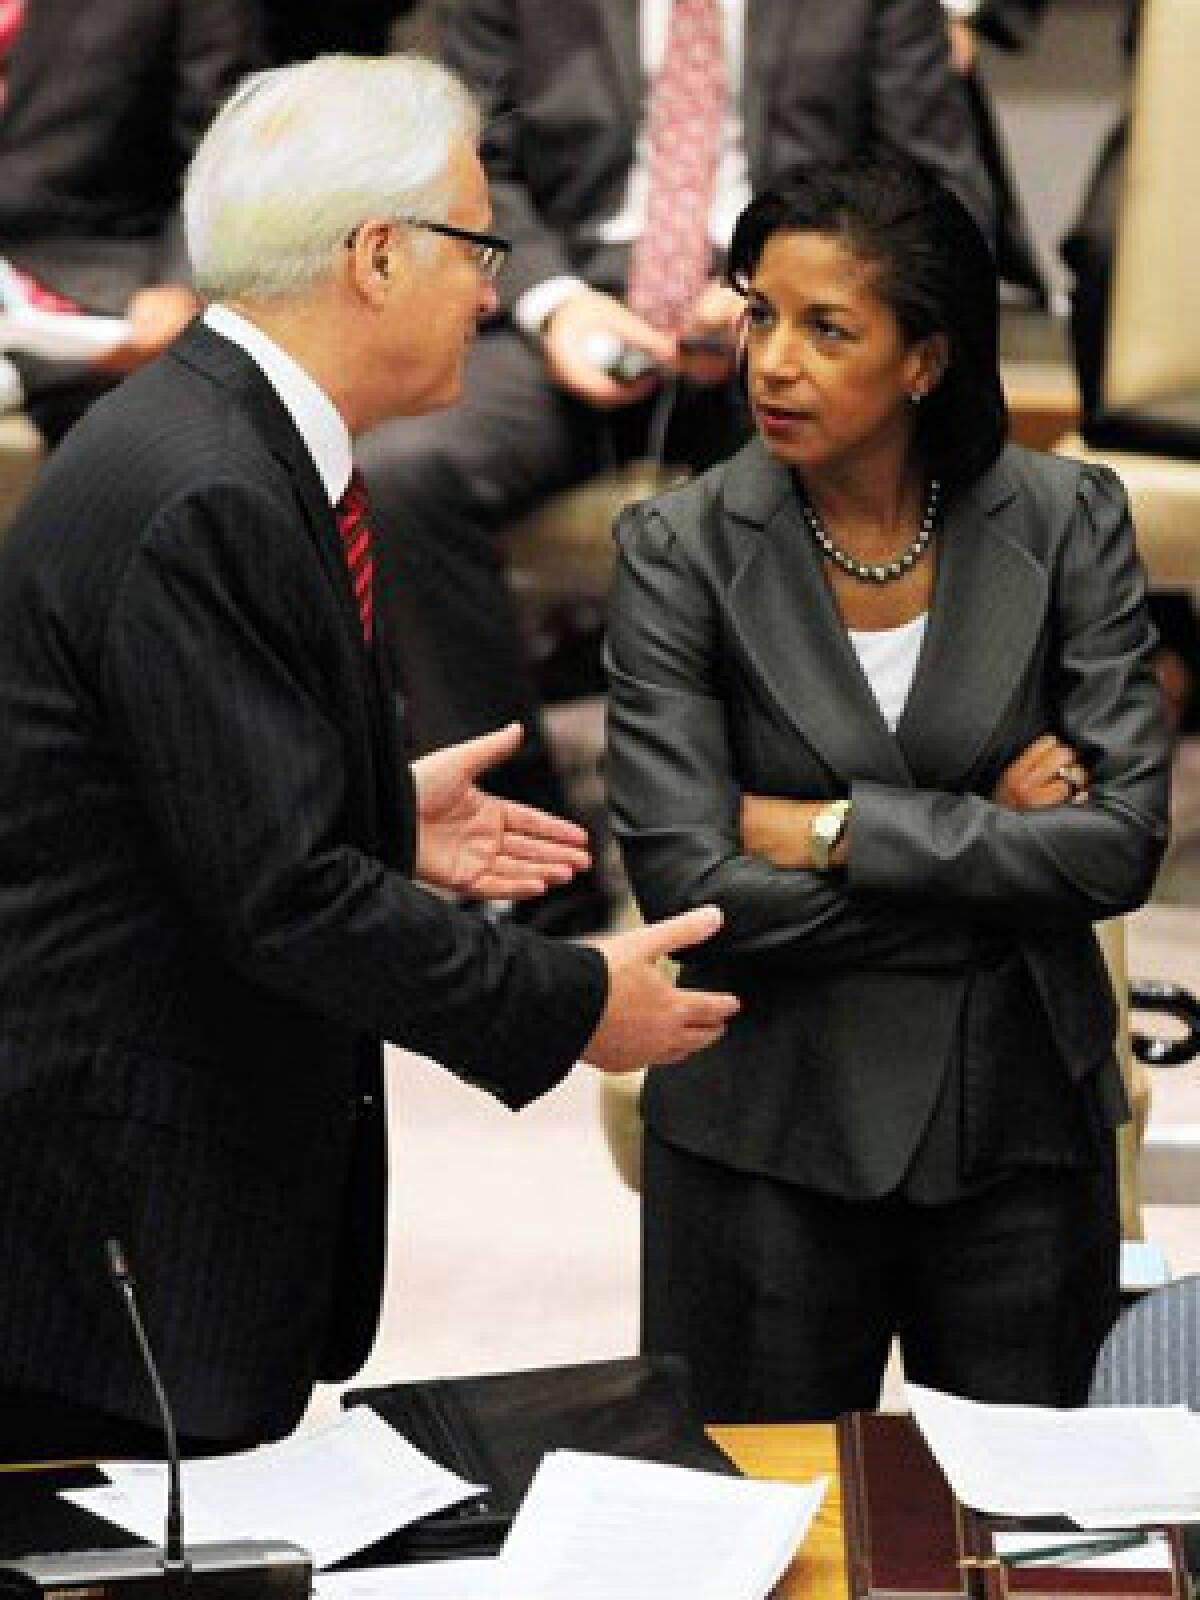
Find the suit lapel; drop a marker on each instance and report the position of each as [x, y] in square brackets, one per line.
[762, 50]
[31, 63]
[619, 22]
[787, 626]
[987, 617]
[227, 364]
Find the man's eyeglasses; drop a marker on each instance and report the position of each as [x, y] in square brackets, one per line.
[489, 250]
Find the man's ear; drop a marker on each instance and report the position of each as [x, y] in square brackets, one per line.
[371, 252]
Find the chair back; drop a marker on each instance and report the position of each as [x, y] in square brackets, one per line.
[1151, 1356]
[1154, 320]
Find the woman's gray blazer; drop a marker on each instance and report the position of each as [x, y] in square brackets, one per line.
[730, 671]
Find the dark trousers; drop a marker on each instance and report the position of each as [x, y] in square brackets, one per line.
[444, 487]
[785, 1301]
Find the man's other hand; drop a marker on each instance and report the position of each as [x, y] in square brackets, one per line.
[647, 1020]
[572, 328]
[479, 844]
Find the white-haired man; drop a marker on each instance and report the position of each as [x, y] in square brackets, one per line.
[207, 922]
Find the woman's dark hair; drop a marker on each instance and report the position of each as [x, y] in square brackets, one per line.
[935, 273]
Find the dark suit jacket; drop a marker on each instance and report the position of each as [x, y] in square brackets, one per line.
[106, 101]
[206, 923]
[730, 671]
[562, 90]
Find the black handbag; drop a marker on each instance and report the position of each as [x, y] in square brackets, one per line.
[495, 1429]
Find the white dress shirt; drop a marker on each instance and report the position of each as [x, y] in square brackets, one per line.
[318, 421]
[888, 657]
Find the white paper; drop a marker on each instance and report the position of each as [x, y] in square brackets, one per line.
[56, 336]
[1103, 1466]
[427, 1580]
[53, 335]
[595, 1527]
[332, 1491]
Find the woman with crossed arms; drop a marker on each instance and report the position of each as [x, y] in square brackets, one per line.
[880, 686]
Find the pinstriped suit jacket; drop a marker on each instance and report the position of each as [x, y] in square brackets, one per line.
[206, 924]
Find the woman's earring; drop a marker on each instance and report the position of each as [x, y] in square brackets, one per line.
[917, 396]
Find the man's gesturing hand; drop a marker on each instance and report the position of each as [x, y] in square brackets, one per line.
[647, 1020]
[477, 843]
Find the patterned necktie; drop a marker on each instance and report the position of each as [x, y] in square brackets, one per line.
[671, 261]
[354, 525]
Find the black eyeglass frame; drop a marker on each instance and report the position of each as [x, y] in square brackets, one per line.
[491, 250]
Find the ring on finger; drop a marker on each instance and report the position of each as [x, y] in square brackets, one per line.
[1073, 777]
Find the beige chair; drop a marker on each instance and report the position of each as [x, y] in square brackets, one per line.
[622, 1124]
[1150, 433]
[562, 551]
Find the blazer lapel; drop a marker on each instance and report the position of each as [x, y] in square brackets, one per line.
[787, 625]
[987, 617]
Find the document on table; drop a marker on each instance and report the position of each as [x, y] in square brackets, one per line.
[1103, 1466]
[593, 1527]
[333, 1490]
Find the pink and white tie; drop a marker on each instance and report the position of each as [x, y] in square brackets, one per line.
[671, 261]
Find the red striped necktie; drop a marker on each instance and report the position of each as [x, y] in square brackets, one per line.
[354, 525]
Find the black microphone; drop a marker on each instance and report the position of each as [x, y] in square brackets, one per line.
[174, 1560]
[236, 1569]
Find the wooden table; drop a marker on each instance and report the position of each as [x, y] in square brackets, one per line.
[797, 1452]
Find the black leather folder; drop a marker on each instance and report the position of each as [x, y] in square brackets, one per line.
[495, 1429]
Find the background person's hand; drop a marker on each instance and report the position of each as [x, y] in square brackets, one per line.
[1046, 773]
[706, 352]
[647, 1020]
[575, 324]
[479, 844]
[156, 317]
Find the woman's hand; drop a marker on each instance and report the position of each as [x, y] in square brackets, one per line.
[1046, 773]
[780, 830]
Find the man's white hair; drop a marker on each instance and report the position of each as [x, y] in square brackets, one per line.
[299, 156]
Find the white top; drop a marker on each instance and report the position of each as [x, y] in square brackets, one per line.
[731, 189]
[318, 421]
[888, 657]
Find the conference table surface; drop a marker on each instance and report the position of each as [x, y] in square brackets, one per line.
[798, 1452]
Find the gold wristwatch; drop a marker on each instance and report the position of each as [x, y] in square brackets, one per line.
[825, 831]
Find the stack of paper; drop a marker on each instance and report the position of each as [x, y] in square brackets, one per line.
[332, 1491]
[594, 1527]
[1102, 1466]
